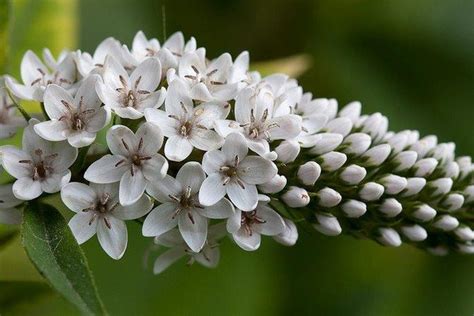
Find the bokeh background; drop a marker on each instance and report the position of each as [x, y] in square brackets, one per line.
[411, 60]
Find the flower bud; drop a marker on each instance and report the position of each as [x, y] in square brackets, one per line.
[340, 125]
[357, 143]
[393, 184]
[276, 184]
[371, 191]
[405, 160]
[469, 194]
[325, 143]
[451, 170]
[353, 174]
[453, 202]
[466, 248]
[287, 151]
[444, 152]
[389, 237]
[289, 236]
[398, 141]
[331, 109]
[424, 213]
[440, 250]
[424, 145]
[351, 111]
[390, 207]
[446, 223]
[332, 161]
[412, 137]
[464, 233]
[327, 224]
[414, 186]
[354, 208]
[424, 167]
[375, 125]
[414, 232]
[296, 197]
[309, 173]
[329, 197]
[375, 156]
[441, 186]
[465, 166]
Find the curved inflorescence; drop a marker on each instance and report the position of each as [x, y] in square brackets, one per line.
[198, 149]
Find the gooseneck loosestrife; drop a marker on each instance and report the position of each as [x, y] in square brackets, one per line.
[198, 149]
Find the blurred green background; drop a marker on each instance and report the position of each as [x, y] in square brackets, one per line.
[411, 60]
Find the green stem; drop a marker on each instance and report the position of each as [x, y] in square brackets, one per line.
[19, 107]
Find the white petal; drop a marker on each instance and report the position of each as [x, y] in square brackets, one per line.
[66, 156]
[114, 239]
[226, 127]
[161, 190]
[191, 175]
[132, 187]
[246, 241]
[212, 161]
[178, 148]
[162, 219]
[149, 74]
[83, 227]
[234, 222]
[165, 260]
[113, 70]
[178, 99]
[208, 257]
[193, 228]
[205, 139]
[52, 130]
[288, 126]
[10, 157]
[212, 190]
[128, 113]
[26, 189]
[152, 138]
[256, 170]
[235, 145]
[220, 210]
[135, 210]
[243, 198]
[87, 93]
[20, 91]
[273, 223]
[80, 139]
[78, 196]
[155, 169]
[100, 118]
[201, 92]
[117, 137]
[161, 119]
[105, 170]
[30, 67]
[54, 99]
[54, 182]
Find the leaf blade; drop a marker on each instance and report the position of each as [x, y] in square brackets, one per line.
[53, 250]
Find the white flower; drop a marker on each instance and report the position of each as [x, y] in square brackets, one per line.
[208, 256]
[40, 166]
[230, 171]
[255, 119]
[289, 236]
[98, 211]
[184, 125]
[87, 64]
[36, 77]
[180, 206]
[134, 162]
[77, 119]
[128, 96]
[312, 112]
[8, 213]
[207, 80]
[288, 151]
[9, 120]
[247, 227]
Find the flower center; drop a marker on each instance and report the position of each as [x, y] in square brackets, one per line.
[135, 156]
[185, 203]
[230, 172]
[77, 118]
[101, 207]
[258, 129]
[248, 219]
[44, 79]
[40, 166]
[131, 97]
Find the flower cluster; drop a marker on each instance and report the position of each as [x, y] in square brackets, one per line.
[199, 149]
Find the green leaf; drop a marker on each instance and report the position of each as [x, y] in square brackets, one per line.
[52, 248]
[293, 66]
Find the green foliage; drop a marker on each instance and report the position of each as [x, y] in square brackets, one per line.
[13, 294]
[4, 21]
[52, 248]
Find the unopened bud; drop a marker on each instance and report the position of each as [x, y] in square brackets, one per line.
[414, 186]
[328, 197]
[289, 236]
[405, 160]
[327, 224]
[309, 173]
[287, 151]
[453, 202]
[444, 152]
[332, 161]
[351, 111]
[393, 184]
[390, 207]
[412, 137]
[446, 223]
[353, 174]
[276, 184]
[398, 142]
[464, 233]
[375, 125]
[451, 170]
[425, 167]
[389, 237]
[465, 166]
[340, 125]
[325, 143]
[357, 143]
[414, 232]
[371, 191]
[296, 197]
[375, 156]
[441, 186]
[424, 213]
[354, 208]
[424, 145]
[469, 194]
